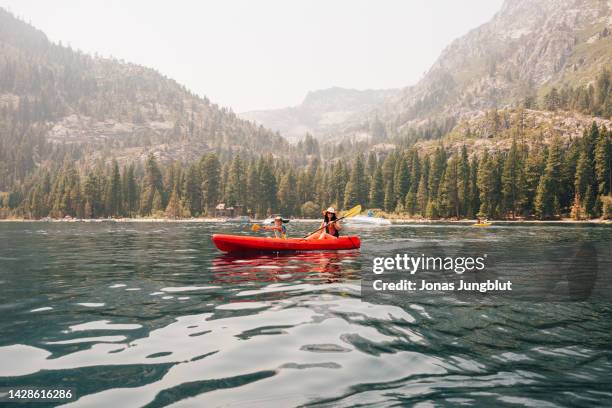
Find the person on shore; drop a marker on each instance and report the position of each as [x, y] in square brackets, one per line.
[280, 231]
[330, 226]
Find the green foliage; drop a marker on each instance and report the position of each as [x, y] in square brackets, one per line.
[488, 183]
[310, 210]
[512, 181]
[592, 100]
[287, 194]
[377, 194]
[606, 212]
[210, 169]
[548, 192]
[356, 190]
[570, 178]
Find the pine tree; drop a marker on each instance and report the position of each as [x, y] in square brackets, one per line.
[485, 176]
[576, 212]
[388, 169]
[113, 198]
[152, 188]
[359, 180]
[377, 194]
[236, 183]
[438, 165]
[463, 182]
[603, 162]
[192, 191]
[268, 202]
[451, 192]
[338, 184]
[534, 167]
[431, 210]
[173, 209]
[512, 182]
[253, 194]
[474, 193]
[547, 195]
[322, 181]
[210, 169]
[552, 100]
[157, 204]
[423, 191]
[287, 194]
[401, 179]
[372, 164]
[36, 203]
[389, 200]
[92, 197]
[582, 175]
[411, 197]
[131, 192]
[442, 202]
[350, 195]
[568, 172]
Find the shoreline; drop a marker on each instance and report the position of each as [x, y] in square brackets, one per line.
[399, 221]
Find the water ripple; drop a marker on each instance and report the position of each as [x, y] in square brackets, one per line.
[152, 315]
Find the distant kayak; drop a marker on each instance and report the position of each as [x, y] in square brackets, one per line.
[482, 224]
[243, 243]
[365, 220]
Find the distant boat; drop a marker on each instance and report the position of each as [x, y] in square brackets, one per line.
[482, 224]
[366, 220]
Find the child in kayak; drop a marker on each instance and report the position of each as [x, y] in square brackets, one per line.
[280, 231]
[331, 227]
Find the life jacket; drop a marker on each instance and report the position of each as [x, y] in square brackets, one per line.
[282, 233]
[331, 230]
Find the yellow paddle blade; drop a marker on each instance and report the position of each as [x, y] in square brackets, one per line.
[255, 227]
[352, 212]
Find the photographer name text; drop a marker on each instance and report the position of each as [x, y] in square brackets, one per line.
[412, 264]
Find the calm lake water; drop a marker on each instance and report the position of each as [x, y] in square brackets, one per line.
[151, 314]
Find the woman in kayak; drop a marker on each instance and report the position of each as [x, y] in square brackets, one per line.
[331, 227]
[280, 231]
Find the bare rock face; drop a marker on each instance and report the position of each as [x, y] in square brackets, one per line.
[322, 112]
[529, 45]
[495, 130]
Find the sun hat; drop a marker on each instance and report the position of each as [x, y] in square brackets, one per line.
[331, 210]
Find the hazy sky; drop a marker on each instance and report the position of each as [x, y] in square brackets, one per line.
[262, 54]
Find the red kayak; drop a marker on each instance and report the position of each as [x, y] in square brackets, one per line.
[243, 243]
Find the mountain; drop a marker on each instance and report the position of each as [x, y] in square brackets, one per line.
[323, 112]
[56, 101]
[511, 120]
[527, 48]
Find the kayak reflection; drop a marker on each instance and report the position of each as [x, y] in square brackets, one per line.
[311, 267]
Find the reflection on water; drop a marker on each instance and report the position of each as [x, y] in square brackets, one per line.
[313, 267]
[153, 315]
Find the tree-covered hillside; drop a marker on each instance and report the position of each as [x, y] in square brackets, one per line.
[83, 136]
[545, 181]
[55, 101]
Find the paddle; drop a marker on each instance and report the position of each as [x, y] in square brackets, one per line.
[257, 227]
[350, 213]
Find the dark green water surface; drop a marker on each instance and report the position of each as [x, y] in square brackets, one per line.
[151, 314]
